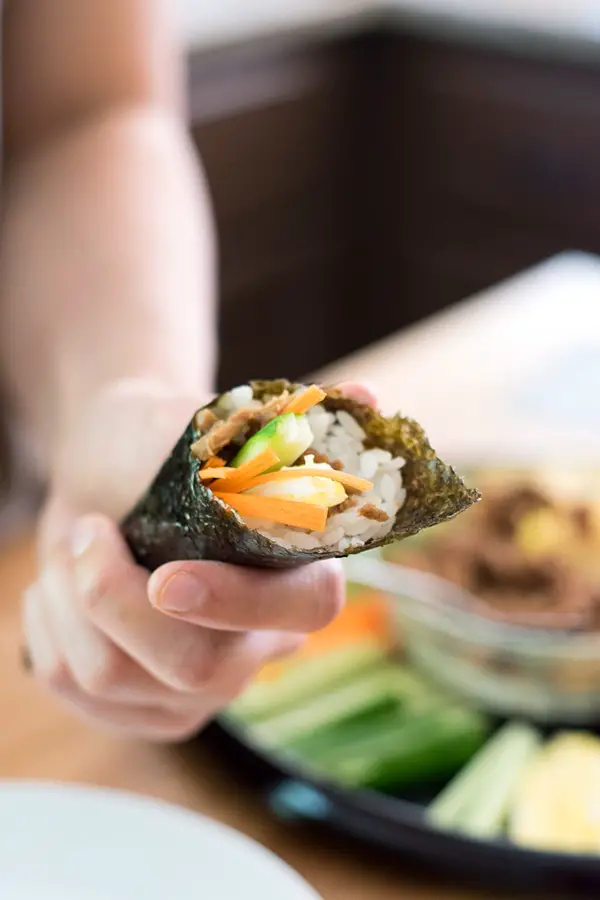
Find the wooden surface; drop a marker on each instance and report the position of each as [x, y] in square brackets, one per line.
[40, 740]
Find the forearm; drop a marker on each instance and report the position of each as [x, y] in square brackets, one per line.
[107, 267]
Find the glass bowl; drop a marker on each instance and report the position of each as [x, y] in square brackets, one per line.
[552, 677]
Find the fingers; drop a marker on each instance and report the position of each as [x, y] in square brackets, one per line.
[124, 697]
[238, 598]
[43, 652]
[362, 392]
[100, 668]
[150, 722]
[65, 647]
[54, 526]
[113, 593]
[98, 635]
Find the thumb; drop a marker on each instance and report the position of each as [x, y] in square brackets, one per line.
[119, 443]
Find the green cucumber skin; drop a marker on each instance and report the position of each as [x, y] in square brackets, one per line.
[249, 450]
[272, 436]
[422, 747]
[475, 801]
[403, 702]
[326, 743]
[439, 758]
[489, 813]
[257, 444]
[372, 691]
[307, 679]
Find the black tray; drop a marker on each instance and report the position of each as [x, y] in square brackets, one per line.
[398, 826]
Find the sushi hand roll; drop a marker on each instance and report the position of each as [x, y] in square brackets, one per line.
[273, 474]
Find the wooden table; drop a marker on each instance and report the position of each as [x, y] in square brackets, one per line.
[39, 740]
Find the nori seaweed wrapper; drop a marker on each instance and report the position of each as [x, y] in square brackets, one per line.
[178, 518]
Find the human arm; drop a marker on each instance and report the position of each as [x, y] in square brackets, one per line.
[106, 335]
[107, 243]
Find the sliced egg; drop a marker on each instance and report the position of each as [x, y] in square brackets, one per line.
[557, 806]
[310, 489]
[543, 532]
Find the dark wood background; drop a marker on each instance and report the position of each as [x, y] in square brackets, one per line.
[362, 183]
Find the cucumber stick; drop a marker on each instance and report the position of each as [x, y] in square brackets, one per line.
[288, 435]
[371, 691]
[408, 697]
[307, 678]
[420, 746]
[476, 802]
[335, 737]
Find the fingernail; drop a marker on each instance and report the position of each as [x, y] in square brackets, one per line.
[364, 392]
[25, 659]
[84, 533]
[181, 593]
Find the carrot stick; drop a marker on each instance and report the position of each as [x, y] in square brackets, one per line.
[287, 512]
[256, 466]
[220, 472]
[366, 620]
[350, 481]
[360, 621]
[215, 462]
[304, 400]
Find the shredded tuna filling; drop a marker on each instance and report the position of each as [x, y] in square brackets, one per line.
[348, 503]
[222, 432]
[323, 458]
[370, 511]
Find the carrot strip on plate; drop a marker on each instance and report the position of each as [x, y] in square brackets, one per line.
[245, 473]
[286, 512]
[366, 621]
[219, 472]
[350, 481]
[361, 621]
[304, 400]
[215, 462]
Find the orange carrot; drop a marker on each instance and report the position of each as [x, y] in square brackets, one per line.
[367, 619]
[350, 481]
[220, 472]
[272, 671]
[287, 512]
[256, 466]
[215, 462]
[304, 400]
[357, 621]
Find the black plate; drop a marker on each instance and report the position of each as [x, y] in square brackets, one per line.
[400, 827]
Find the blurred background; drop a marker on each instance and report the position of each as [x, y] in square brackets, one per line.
[375, 162]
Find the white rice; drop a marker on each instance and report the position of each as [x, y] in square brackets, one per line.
[239, 398]
[339, 437]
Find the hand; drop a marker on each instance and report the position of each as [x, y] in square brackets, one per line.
[153, 656]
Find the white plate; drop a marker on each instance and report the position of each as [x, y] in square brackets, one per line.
[59, 842]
